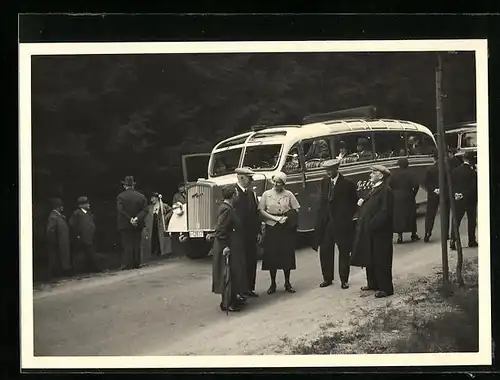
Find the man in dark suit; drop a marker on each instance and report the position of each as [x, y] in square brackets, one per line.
[464, 187]
[245, 205]
[132, 208]
[82, 227]
[334, 223]
[373, 247]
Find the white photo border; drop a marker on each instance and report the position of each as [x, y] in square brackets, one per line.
[29, 361]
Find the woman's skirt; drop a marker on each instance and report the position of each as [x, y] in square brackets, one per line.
[279, 248]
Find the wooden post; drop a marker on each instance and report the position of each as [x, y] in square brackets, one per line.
[442, 174]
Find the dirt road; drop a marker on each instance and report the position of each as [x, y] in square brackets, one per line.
[168, 309]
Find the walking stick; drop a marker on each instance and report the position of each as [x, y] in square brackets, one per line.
[227, 279]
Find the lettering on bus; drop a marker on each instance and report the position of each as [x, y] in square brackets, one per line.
[364, 185]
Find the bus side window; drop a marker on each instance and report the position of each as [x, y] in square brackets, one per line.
[292, 161]
[316, 151]
[420, 144]
[353, 147]
[389, 144]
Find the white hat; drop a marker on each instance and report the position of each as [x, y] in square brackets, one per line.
[279, 177]
[244, 171]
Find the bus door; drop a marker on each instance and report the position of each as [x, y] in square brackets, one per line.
[195, 166]
[294, 170]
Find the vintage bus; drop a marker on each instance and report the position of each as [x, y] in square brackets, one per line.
[298, 151]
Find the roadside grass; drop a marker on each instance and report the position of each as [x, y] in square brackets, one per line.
[428, 318]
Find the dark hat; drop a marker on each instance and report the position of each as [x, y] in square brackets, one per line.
[382, 169]
[128, 181]
[330, 163]
[82, 200]
[56, 202]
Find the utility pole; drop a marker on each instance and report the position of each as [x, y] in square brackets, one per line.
[442, 168]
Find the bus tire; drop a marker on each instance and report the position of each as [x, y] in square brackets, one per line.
[197, 248]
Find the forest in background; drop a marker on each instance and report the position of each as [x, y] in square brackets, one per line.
[97, 118]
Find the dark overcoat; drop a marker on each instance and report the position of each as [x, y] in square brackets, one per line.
[404, 187]
[162, 224]
[373, 235]
[82, 227]
[464, 181]
[229, 232]
[58, 239]
[337, 211]
[131, 204]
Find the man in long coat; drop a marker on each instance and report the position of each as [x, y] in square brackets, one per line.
[58, 239]
[373, 248]
[404, 187]
[246, 207]
[334, 223]
[464, 188]
[132, 208]
[83, 231]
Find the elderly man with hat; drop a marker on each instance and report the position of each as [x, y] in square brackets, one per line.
[373, 247]
[464, 189]
[334, 223]
[82, 227]
[59, 253]
[132, 207]
[246, 207]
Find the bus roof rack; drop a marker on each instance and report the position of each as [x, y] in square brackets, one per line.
[366, 112]
[260, 127]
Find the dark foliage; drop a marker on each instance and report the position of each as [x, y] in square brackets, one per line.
[97, 118]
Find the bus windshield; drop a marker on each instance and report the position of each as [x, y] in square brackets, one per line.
[262, 157]
[225, 162]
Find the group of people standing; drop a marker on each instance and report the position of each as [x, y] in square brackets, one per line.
[141, 225]
[361, 228]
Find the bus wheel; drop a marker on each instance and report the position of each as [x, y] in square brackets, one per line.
[196, 248]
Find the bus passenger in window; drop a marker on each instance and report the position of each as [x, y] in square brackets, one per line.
[343, 151]
[292, 163]
[405, 189]
[219, 167]
[279, 208]
[319, 150]
[364, 153]
[413, 146]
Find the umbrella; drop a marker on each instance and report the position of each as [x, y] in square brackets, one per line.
[226, 292]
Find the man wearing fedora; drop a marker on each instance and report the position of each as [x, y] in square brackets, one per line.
[82, 227]
[334, 223]
[246, 207]
[132, 207]
[373, 247]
